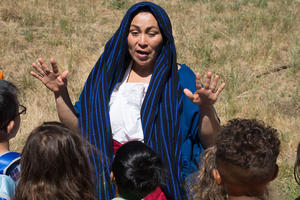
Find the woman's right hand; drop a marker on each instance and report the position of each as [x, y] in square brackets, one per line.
[53, 80]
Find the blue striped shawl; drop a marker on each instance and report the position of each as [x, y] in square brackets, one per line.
[160, 112]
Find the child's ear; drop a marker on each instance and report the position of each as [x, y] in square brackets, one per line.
[217, 176]
[10, 126]
[112, 177]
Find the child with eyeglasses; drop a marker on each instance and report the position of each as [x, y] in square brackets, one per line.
[10, 111]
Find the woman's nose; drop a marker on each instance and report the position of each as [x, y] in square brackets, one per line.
[142, 41]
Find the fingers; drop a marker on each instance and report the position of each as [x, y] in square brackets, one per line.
[64, 74]
[44, 66]
[36, 75]
[54, 65]
[38, 69]
[214, 83]
[44, 70]
[222, 86]
[207, 81]
[189, 94]
[198, 82]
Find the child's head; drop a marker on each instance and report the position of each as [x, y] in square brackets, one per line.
[136, 170]
[207, 188]
[55, 165]
[9, 110]
[297, 166]
[246, 156]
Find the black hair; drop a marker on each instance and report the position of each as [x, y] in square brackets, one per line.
[8, 103]
[137, 169]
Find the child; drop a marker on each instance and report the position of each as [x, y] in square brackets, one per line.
[136, 171]
[297, 166]
[55, 165]
[10, 111]
[246, 156]
[207, 188]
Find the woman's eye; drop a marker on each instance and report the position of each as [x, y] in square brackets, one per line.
[152, 34]
[134, 32]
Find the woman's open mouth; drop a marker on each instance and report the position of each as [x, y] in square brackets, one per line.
[142, 54]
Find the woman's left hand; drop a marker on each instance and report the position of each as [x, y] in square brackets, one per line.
[207, 95]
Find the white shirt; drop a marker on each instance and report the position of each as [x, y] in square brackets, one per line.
[124, 110]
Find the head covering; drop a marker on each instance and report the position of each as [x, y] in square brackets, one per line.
[160, 111]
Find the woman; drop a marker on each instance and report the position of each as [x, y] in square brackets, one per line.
[140, 59]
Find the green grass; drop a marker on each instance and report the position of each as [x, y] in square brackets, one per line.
[286, 183]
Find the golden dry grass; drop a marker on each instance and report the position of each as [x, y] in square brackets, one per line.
[240, 40]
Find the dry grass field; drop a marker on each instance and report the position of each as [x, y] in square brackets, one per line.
[254, 45]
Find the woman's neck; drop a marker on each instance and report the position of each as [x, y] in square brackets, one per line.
[140, 74]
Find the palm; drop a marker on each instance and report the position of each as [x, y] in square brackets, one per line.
[205, 95]
[53, 80]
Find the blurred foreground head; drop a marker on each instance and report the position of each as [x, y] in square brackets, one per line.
[55, 165]
[136, 170]
[246, 156]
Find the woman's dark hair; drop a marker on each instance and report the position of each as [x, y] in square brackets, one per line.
[297, 166]
[55, 165]
[137, 169]
[8, 103]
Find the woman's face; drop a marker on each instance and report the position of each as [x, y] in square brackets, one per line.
[144, 40]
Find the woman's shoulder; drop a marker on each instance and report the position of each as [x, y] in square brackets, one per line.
[187, 77]
[185, 70]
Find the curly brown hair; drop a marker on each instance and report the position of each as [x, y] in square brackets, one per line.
[55, 165]
[207, 188]
[251, 146]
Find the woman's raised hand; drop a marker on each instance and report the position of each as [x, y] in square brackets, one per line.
[207, 95]
[53, 80]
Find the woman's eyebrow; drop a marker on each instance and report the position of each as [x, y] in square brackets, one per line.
[152, 27]
[134, 26]
[147, 29]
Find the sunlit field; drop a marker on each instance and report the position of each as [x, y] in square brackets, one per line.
[254, 45]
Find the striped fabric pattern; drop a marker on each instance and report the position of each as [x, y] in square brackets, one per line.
[161, 109]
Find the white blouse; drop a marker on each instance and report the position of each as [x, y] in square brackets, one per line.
[124, 110]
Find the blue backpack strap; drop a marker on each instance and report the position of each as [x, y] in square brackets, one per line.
[8, 160]
[7, 187]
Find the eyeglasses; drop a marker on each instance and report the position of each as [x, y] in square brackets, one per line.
[21, 110]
